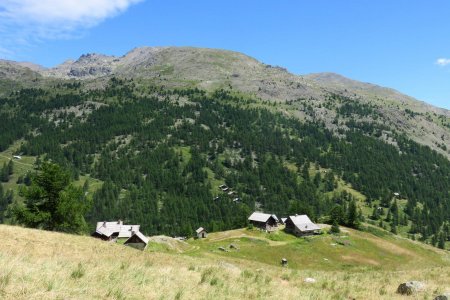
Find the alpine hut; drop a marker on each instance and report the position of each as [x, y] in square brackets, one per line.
[301, 225]
[137, 240]
[201, 233]
[264, 221]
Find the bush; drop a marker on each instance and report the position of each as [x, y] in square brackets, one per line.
[78, 272]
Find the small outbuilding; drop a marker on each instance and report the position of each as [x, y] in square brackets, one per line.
[137, 240]
[201, 233]
[264, 221]
[301, 225]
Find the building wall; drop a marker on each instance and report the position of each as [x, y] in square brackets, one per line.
[202, 234]
[140, 246]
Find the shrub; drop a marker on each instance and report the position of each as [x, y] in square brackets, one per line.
[78, 272]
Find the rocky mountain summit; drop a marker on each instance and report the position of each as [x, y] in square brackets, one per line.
[309, 97]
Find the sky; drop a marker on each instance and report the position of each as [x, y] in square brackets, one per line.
[399, 44]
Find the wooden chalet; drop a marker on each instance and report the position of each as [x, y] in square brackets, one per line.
[201, 233]
[137, 240]
[301, 225]
[264, 221]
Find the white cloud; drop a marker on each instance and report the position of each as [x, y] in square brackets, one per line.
[443, 61]
[25, 22]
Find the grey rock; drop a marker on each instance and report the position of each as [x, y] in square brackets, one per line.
[410, 287]
[445, 296]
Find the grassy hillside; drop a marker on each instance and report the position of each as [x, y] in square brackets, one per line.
[49, 265]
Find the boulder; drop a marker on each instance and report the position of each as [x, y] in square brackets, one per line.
[410, 287]
[233, 246]
[445, 296]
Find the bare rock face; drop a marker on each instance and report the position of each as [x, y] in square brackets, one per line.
[89, 65]
[410, 287]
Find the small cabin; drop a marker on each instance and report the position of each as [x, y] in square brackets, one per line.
[264, 221]
[137, 240]
[201, 233]
[301, 225]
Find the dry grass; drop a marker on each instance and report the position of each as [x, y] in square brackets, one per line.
[47, 265]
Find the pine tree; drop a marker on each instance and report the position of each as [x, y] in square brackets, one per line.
[335, 228]
[352, 215]
[10, 167]
[53, 203]
[393, 228]
[441, 243]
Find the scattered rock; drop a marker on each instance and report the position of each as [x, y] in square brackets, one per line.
[309, 280]
[233, 246]
[222, 249]
[410, 287]
[445, 296]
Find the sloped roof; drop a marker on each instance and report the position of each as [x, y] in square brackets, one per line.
[303, 223]
[200, 230]
[261, 217]
[124, 231]
[104, 231]
[113, 226]
[142, 237]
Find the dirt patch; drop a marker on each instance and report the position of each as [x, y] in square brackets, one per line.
[359, 259]
[390, 247]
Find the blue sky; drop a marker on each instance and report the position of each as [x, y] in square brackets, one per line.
[400, 44]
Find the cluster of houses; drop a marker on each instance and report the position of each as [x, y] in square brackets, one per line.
[116, 230]
[300, 225]
[232, 194]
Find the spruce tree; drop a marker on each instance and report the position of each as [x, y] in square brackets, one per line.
[441, 243]
[335, 228]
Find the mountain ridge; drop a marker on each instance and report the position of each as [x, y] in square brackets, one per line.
[306, 97]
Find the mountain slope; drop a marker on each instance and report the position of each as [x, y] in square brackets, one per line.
[49, 265]
[308, 97]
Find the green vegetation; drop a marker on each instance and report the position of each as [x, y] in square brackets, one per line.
[52, 202]
[162, 153]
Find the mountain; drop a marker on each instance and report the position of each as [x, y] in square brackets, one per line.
[211, 69]
[152, 135]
